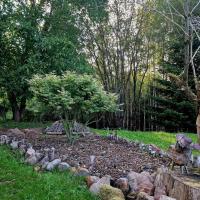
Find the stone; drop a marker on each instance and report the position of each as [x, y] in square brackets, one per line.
[22, 149]
[95, 187]
[122, 184]
[51, 153]
[56, 128]
[108, 192]
[196, 161]
[39, 156]
[91, 179]
[44, 161]
[3, 139]
[14, 144]
[73, 170]
[80, 129]
[63, 166]
[163, 197]
[140, 183]
[53, 164]
[32, 160]
[82, 172]
[144, 196]
[30, 152]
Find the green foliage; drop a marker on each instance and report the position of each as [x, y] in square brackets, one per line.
[173, 111]
[72, 95]
[18, 182]
[34, 40]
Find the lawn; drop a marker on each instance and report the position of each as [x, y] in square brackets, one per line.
[19, 182]
[160, 139]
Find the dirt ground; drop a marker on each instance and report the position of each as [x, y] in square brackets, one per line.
[112, 158]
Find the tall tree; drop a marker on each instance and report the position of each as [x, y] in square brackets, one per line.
[36, 37]
[120, 49]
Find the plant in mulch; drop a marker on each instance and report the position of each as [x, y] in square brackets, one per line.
[71, 136]
[72, 97]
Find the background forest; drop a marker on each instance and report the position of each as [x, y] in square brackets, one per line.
[142, 56]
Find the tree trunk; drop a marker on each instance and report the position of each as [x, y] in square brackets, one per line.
[181, 187]
[16, 114]
[18, 108]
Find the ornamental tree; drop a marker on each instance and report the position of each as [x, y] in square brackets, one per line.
[72, 96]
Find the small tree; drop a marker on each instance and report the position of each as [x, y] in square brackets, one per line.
[72, 96]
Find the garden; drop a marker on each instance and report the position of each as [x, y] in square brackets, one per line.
[99, 100]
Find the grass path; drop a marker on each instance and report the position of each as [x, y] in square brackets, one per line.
[19, 182]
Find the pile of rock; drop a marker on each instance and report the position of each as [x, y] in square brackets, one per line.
[57, 128]
[80, 128]
[136, 186]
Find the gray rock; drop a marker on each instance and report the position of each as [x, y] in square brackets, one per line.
[14, 144]
[3, 139]
[39, 156]
[30, 152]
[44, 161]
[22, 149]
[196, 161]
[95, 187]
[63, 166]
[32, 160]
[163, 197]
[53, 164]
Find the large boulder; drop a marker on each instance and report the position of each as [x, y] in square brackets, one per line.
[142, 182]
[95, 187]
[108, 192]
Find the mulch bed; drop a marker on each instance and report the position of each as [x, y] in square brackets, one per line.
[112, 158]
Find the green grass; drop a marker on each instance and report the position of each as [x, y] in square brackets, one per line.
[23, 125]
[19, 182]
[160, 139]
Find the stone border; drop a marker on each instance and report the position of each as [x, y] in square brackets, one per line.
[138, 186]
